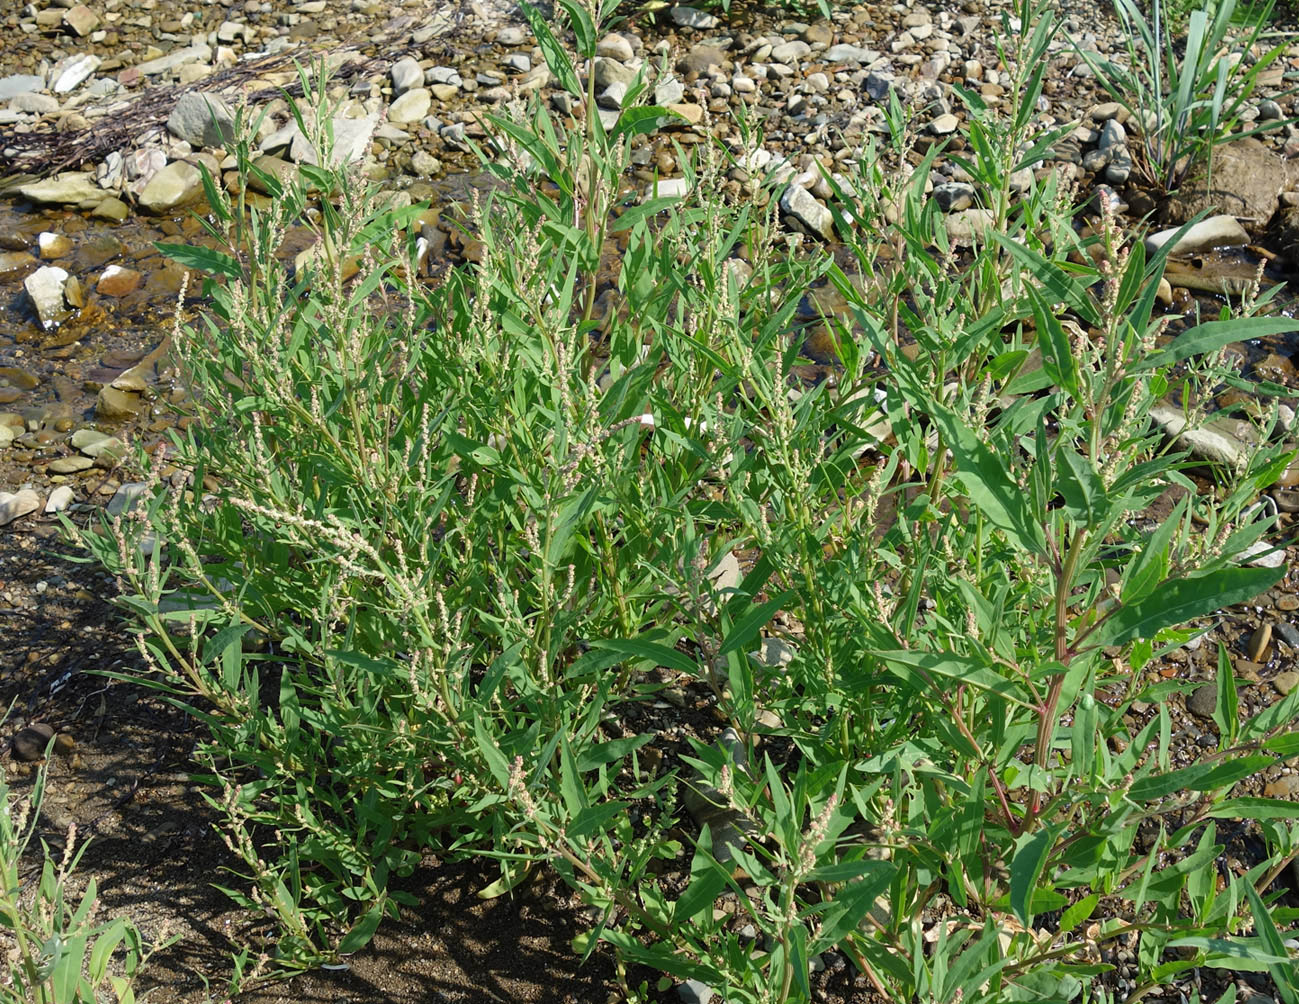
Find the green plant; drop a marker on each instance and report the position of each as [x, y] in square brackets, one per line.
[453, 541]
[1187, 96]
[59, 953]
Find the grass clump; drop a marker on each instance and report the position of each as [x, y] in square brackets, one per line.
[443, 544]
[58, 951]
[1188, 84]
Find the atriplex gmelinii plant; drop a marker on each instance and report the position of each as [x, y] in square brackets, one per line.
[453, 545]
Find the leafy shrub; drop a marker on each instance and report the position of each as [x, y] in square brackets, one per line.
[451, 535]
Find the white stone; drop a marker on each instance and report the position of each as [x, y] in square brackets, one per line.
[1216, 231]
[615, 46]
[16, 504]
[59, 499]
[74, 71]
[667, 188]
[45, 289]
[691, 17]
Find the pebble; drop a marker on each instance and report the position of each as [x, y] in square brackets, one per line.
[405, 73]
[695, 992]
[1285, 682]
[29, 744]
[1260, 643]
[17, 504]
[1203, 701]
[70, 465]
[59, 499]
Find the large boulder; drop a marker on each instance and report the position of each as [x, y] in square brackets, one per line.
[1246, 181]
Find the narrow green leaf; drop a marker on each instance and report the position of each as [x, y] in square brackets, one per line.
[1214, 335]
[1182, 600]
[642, 121]
[203, 259]
[1078, 912]
[660, 655]
[925, 666]
[1225, 714]
[1058, 359]
[1255, 808]
[556, 58]
[363, 930]
[748, 626]
[1031, 852]
[583, 28]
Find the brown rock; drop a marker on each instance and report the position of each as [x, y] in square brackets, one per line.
[1260, 643]
[1285, 786]
[1247, 180]
[114, 403]
[118, 281]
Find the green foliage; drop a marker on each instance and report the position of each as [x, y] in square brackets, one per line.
[451, 536]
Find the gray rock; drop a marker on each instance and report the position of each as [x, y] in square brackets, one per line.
[442, 75]
[197, 53]
[405, 73]
[202, 120]
[510, 35]
[692, 17]
[1112, 135]
[612, 96]
[59, 499]
[695, 992]
[517, 63]
[944, 125]
[790, 53]
[1119, 169]
[17, 504]
[45, 290]
[669, 92]
[34, 104]
[72, 72]
[126, 497]
[878, 85]
[1288, 633]
[1212, 441]
[351, 140]
[845, 53]
[70, 465]
[1095, 160]
[1203, 701]
[953, 196]
[1248, 178]
[667, 188]
[610, 71]
[19, 83]
[969, 226]
[803, 206]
